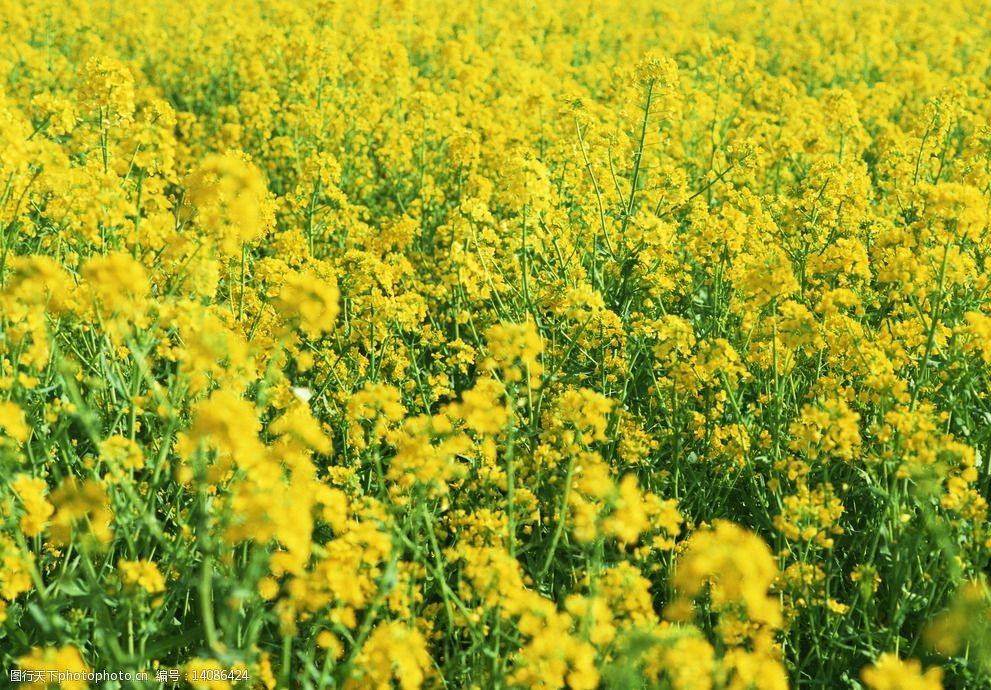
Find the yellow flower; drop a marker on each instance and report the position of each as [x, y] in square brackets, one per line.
[226, 422]
[141, 574]
[37, 509]
[268, 588]
[108, 87]
[515, 349]
[585, 411]
[118, 285]
[811, 515]
[37, 281]
[827, 428]
[684, 656]
[230, 199]
[629, 517]
[891, 673]
[310, 302]
[83, 509]
[737, 564]
[483, 408]
[120, 452]
[12, 421]
[765, 276]
[380, 404]
[329, 641]
[59, 659]
[15, 575]
[392, 653]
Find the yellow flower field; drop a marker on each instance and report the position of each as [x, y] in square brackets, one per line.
[562, 344]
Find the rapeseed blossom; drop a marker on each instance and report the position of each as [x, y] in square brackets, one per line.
[625, 344]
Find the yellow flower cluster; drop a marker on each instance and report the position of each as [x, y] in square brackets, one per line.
[440, 344]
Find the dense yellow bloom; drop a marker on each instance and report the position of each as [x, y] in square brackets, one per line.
[226, 422]
[684, 657]
[409, 344]
[765, 278]
[630, 516]
[15, 577]
[118, 285]
[979, 328]
[230, 200]
[891, 673]
[380, 404]
[675, 338]
[393, 652]
[482, 407]
[37, 510]
[122, 453]
[141, 574]
[12, 421]
[586, 412]
[829, 428]
[736, 564]
[81, 509]
[66, 659]
[311, 301]
[38, 281]
[108, 88]
[811, 515]
[515, 352]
